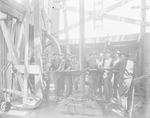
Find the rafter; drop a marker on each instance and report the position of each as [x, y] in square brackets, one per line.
[115, 38]
[125, 19]
[60, 0]
[107, 16]
[9, 43]
[12, 8]
[100, 15]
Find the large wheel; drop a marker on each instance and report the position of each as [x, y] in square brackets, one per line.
[5, 106]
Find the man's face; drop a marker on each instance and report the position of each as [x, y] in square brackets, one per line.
[69, 57]
[55, 56]
[123, 57]
[61, 56]
[107, 54]
[92, 56]
[116, 55]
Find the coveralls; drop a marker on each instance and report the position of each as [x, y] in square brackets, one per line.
[107, 76]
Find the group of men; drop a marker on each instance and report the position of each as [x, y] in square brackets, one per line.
[111, 75]
[61, 67]
[114, 78]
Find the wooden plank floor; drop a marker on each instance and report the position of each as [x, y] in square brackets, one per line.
[51, 109]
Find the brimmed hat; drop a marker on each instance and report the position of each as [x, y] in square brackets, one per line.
[107, 51]
[117, 52]
[125, 53]
[68, 54]
[93, 53]
[59, 54]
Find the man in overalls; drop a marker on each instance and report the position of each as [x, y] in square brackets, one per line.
[92, 64]
[57, 66]
[68, 75]
[107, 62]
[116, 74]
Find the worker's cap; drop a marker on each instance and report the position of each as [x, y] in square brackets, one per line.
[59, 54]
[117, 52]
[73, 56]
[107, 51]
[125, 53]
[93, 53]
[68, 54]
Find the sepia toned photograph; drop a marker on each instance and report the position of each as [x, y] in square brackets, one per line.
[74, 58]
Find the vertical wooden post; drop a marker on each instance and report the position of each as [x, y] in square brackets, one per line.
[66, 32]
[38, 45]
[26, 52]
[50, 5]
[81, 42]
[142, 31]
[145, 54]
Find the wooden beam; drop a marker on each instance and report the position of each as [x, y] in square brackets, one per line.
[9, 43]
[65, 26]
[60, 0]
[81, 44]
[38, 45]
[26, 60]
[107, 16]
[125, 19]
[72, 9]
[11, 49]
[101, 14]
[71, 27]
[100, 45]
[115, 38]
[32, 69]
[139, 7]
[12, 8]
[20, 38]
[19, 93]
[114, 6]
[106, 10]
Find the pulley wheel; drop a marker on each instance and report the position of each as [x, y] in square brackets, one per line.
[5, 106]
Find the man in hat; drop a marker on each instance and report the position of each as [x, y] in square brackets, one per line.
[126, 83]
[68, 75]
[92, 64]
[58, 65]
[107, 62]
[116, 74]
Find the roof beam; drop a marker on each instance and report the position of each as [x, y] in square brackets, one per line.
[115, 38]
[100, 45]
[71, 27]
[107, 16]
[60, 0]
[12, 8]
[125, 19]
[100, 15]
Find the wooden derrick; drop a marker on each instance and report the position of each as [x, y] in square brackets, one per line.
[17, 41]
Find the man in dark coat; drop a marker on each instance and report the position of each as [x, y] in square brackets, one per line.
[57, 66]
[116, 74]
[126, 83]
[92, 64]
[107, 62]
[68, 75]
